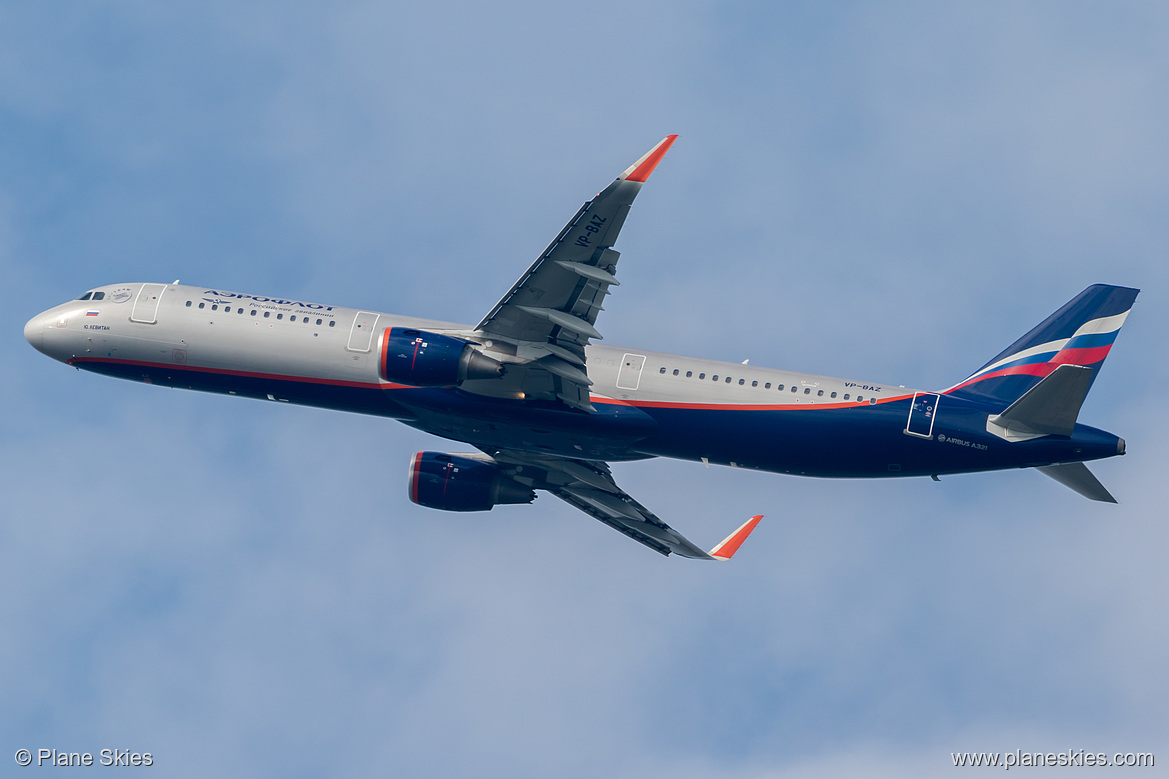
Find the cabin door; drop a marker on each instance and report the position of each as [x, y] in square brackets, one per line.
[146, 304]
[921, 415]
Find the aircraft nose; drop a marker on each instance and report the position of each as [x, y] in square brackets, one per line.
[34, 332]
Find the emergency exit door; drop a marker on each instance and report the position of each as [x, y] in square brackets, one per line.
[629, 374]
[361, 333]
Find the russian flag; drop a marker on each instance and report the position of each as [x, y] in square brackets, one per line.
[92, 313]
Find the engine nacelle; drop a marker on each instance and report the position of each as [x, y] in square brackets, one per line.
[423, 359]
[462, 482]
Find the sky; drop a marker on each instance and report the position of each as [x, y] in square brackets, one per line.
[889, 192]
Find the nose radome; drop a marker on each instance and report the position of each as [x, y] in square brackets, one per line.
[34, 331]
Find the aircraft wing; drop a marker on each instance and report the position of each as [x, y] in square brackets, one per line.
[550, 314]
[588, 485]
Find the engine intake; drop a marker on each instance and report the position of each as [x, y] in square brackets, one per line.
[462, 482]
[422, 359]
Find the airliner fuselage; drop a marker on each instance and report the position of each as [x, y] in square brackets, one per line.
[648, 404]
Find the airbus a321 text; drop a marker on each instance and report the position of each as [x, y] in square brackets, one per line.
[546, 407]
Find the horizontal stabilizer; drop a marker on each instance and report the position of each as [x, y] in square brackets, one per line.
[1079, 478]
[1051, 407]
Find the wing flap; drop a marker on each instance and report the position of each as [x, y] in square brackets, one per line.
[589, 486]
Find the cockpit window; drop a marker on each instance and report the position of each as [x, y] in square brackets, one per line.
[86, 296]
[99, 295]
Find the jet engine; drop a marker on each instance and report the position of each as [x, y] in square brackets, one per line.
[462, 482]
[422, 359]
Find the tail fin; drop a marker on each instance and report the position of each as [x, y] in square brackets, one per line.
[1080, 333]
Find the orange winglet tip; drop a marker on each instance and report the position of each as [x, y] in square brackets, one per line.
[640, 170]
[726, 550]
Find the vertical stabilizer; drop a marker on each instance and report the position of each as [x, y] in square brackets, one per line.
[1081, 333]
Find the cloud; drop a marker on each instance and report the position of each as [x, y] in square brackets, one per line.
[894, 195]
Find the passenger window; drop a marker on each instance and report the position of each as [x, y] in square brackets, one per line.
[318, 321]
[188, 304]
[714, 377]
[267, 314]
[767, 385]
[101, 296]
[795, 388]
[859, 399]
[201, 305]
[662, 369]
[280, 316]
[819, 393]
[702, 375]
[253, 312]
[846, 396]
[779, 387]
[807, 390]
[872, 401]
[754, 384]
[239, 311]
[675, 371]
[214, 307]
[833, 394]
[728, 379]
[332, 322]
[741, 381]
[689, 374]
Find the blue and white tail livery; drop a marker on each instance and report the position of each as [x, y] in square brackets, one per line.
[546, 408]
[1080, 333]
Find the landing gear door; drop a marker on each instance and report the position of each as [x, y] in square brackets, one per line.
[921, 415]
[629, 375]
[146, 304]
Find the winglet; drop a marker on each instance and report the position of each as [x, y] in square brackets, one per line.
[640, 170]
[726, 550]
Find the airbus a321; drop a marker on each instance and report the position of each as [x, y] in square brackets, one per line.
[547, 407]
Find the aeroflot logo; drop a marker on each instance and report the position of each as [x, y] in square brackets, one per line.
[274, 301]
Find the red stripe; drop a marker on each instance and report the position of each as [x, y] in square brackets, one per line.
[742, 406]
[245, 374]
[387, 385]
[1041, 369]
[415, 469]
[1086, 356]
[385, 352]
[1091, 355]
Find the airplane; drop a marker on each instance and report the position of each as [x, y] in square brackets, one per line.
[548, 408]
